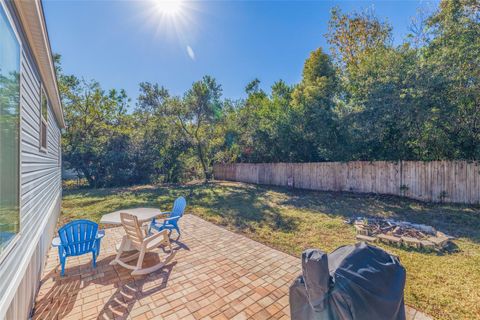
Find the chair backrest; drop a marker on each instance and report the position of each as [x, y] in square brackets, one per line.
[78, 237]
[178, 207]
[132, 228]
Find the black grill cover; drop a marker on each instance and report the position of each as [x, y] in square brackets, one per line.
[353, 282]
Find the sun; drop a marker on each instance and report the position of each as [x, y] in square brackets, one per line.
[171, 18]
[169, 7]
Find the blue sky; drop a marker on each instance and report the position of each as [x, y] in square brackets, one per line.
[122, 43]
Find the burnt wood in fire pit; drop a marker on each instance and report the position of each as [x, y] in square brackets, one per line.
[400, 233]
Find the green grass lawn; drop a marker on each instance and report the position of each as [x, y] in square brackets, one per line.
[445, 286]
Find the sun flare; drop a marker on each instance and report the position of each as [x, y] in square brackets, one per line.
[168, 7]
[174, 19]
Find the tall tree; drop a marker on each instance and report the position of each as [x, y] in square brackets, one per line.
[195, 116]
[159, 149]
[313, 101]
[94, 119]
[454, 53]
[353, 35]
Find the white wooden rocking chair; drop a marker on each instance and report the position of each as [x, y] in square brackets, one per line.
[136, 238]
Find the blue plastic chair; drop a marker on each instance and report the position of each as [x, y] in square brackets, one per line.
[77, 238]
[171, 223]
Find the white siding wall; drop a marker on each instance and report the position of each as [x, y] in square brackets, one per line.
[21, 269]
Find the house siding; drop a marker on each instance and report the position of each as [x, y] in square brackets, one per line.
[40, 195]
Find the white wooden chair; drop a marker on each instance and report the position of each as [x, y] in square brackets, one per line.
[136, 238]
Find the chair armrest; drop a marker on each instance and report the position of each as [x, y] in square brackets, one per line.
[163, 221]
[162, 215]
[56, 242]
[145, 227]
[163, 233]
[100, 234]
[170, 219]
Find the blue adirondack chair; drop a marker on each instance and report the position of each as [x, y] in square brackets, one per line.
[76, 238]
[171, 223]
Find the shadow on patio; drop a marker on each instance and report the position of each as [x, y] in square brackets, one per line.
[214, 273]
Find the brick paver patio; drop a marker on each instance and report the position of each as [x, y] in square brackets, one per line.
[215, 274]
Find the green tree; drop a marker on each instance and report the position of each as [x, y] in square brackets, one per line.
[195, 116]
[354, 35]
[94, 143]
[454, 54]
[313, 102]
[159, 148]
[94, 119]
[257, 128]
[394, 102]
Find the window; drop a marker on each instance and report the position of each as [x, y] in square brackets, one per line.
[9, 132]
[43, 121]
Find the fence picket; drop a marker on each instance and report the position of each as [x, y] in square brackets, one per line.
[435, 181]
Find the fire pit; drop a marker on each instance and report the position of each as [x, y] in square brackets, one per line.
[400, 233]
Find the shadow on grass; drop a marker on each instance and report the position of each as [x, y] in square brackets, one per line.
[456, 220]
[246, 206]
[239, 206]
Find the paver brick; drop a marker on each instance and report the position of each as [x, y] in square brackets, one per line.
[204, 281]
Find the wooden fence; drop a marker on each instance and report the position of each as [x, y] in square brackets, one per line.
[434, 181]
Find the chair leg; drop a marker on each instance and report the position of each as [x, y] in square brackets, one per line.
[140, 259]
[62, 263]
[119, 253]
[97, 245]
[142, 271]
[94, 259]
[152, 223]
[168, 243]
[62, 259]
[175, 226]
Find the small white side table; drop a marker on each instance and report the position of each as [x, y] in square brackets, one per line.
[143, 215]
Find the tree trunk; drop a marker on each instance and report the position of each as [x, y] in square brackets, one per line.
[201, 157]
[91, 181]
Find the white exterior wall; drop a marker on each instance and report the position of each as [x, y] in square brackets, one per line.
[40, 200]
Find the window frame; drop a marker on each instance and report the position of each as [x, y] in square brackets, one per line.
[13, 242]
[43, 121]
